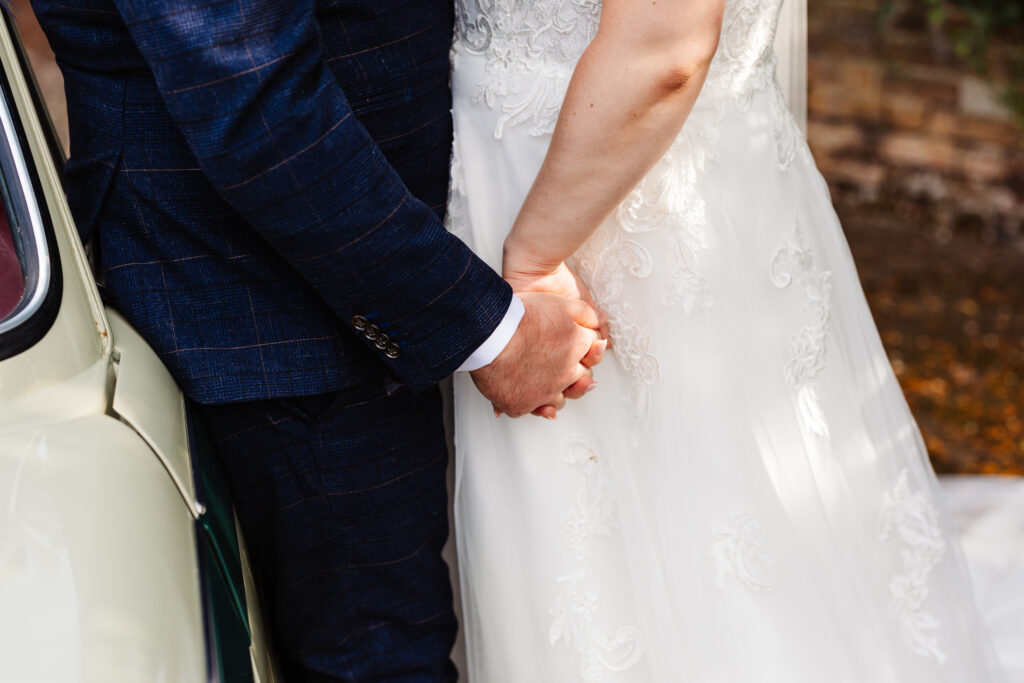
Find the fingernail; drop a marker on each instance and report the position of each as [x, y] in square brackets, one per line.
[497, 413]
[603, 344]
[550, 417]
[590, 388]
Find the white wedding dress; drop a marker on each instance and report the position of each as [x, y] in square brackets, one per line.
[745, 498]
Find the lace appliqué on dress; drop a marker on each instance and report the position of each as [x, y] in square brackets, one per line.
[603, 262]
[910, 518]
[576, 604]
[795, 262]
[667, 200]
[531, 47]
[742, 552]
[455, 219]
[789, 139]
[745, 65]
[745, 48]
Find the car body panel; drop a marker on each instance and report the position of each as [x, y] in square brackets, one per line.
[97, 558]
[147, 398]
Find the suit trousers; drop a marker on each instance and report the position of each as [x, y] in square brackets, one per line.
[343, 504]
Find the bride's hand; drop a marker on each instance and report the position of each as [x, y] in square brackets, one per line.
[528, 274]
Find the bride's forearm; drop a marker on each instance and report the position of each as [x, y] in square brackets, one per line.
[629, 96]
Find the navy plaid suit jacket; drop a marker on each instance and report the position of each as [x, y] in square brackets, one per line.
[260, 174]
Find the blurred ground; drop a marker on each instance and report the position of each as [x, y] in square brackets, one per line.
[949, 305]
[925, 162]
[950, 309]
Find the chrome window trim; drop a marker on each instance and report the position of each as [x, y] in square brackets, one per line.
[30, 304]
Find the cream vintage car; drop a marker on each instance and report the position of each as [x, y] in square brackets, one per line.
[120, 558]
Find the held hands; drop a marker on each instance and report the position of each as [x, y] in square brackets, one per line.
[561, 337]
[527, 273]
[548, 359]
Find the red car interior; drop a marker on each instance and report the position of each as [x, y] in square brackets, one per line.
[12, 280]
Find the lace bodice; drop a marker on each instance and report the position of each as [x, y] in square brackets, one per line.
[532, 46]
[551, 30]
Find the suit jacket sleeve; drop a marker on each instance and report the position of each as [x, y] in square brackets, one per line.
[271, 128]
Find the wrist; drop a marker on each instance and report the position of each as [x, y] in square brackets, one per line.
[520, 257]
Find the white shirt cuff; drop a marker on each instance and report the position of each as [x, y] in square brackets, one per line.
[498, 340]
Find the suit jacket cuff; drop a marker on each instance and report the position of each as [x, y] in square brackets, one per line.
[426, 329]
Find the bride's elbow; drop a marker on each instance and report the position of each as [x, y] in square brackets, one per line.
[678, 75]
[687, 60]
[675, 77]
[670, 50]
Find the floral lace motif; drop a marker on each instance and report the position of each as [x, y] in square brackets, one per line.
[795, 261]
[910, 518]
[456, 219]
[742, 552]
[667, 200]
[532, 47]
[603, 262]
[745, 65]
[576, 604]
[744, 61]
[789, 139]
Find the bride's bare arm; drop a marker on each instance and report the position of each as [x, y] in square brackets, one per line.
[629, 96]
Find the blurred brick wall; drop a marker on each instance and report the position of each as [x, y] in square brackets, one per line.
[894, 117]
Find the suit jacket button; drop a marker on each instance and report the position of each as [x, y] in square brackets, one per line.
[393, 351]
[372, 332]
[359, 322]
[382, 342]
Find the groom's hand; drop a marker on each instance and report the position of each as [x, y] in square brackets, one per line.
[542, 364]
